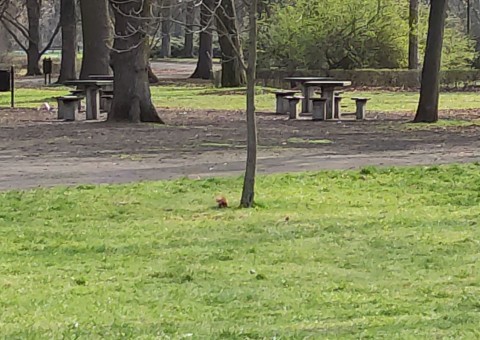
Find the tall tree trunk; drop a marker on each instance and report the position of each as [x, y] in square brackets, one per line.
[132, 99]
[4, 43]
[413, 36]
[205, 50]
[33, 49]
[430, 91]
[166, 50]
[233, 74]
[68, 22]
[97, 35]
[469, 17]
[189, 21]
[248, 192]
[152, 77]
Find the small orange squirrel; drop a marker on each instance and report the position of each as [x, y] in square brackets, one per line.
[222, 202]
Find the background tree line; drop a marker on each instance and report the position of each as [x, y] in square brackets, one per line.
[311, 34]
[327, 34]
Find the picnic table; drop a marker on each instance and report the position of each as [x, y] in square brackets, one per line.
[328, 91]
[92, 91]
[306, 90]
[101, 77]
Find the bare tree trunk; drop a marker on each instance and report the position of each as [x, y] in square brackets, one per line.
[4, 43]
[97, 37]
[413, 36]
[166, 50]
[248, 192]
[68, 22]
[152, 77]
[132, 99]
[33, 49]
[430, 91]
[189, 21]
[205, 50]
[233, 74]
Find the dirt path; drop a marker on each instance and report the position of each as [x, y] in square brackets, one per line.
[37, 151]
[46, 172]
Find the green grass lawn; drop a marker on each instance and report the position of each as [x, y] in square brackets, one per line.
[202, 97]
[390, 253]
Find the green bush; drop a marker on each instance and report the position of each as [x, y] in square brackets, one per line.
[351, 34]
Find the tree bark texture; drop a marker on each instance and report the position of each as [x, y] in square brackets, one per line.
[33, 49]
[413, 36]
[430, 88]
[233, 74]
[166, 50]
[152, 77]
[4, 43]
[248, 192]
[205, 50]
[189, 26]
[68, 22]
[132, 100]
[97, 36]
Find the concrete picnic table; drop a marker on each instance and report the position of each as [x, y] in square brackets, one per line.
[328, 91]
[101, 77]
[306, 91]
[92, 91]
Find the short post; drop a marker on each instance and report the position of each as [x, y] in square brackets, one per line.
[329, 94]
[361, 104]
[60, 109]
[292, 106]
[12, 85]
[338, 100]
[319, 108]
[307, 93]
[93, 102]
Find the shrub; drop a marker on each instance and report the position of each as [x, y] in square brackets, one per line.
[351, 34]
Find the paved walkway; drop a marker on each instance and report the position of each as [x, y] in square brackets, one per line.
[29, 173]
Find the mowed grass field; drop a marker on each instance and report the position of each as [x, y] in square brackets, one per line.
[208, 98]
[375, 253]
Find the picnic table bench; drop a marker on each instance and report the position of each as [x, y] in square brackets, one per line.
[92, 91]
[101, 77]
[68, 107]
[328, 88]
[306, 90]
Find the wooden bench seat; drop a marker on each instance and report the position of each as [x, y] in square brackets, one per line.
[106, 102]
[319, 108]
[68, 107]
[78, 93]
[281, 102]
[292, 106]
[361, 107]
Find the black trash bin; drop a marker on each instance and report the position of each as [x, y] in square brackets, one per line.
[47, 66]
[5, 81]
